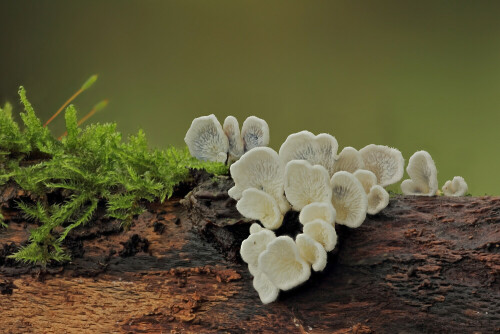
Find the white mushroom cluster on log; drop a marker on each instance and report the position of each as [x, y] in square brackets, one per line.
[307, 175]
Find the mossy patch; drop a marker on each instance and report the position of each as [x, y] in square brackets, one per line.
[91, 167]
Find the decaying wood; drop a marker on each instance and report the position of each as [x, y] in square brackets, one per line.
[424, 265]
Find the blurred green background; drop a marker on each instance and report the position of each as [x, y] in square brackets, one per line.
[414, 75]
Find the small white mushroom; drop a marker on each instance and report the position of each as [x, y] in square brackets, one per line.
[256, 204]
[455, 187]
[267, 291]
[349, 160]
[206, 140]
[253, 246]
[305, 184]
[385, 162]
[378, 199]
[322, 232]
[311, 251]
[255, 133]
[232, 131]
[259, 168]
[368, 179]
[318, 150]
[283, 265]
[349, 199]
[317, 210]
[423, 175]
[254, 228]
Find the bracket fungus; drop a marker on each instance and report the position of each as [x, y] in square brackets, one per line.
[206, 139]
[305, 184]
[267, 291]
[283, 265]
[378, 199]
[423, 175]
[455, 187]
[256, 204]
[254, 133]
[349, 160]
[349, 199]
[368, 179]
[385, 162]
[311, 251]
[318, 210]
[318, 150]
[322, 232]
[259, 168]
[254, 228]
[232, 130]
[254, 245]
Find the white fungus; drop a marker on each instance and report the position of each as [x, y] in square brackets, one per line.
[349, 160]
[283, 265]
[455, 187]
[254, 133]
[311, 251]
[256, 204]
[267, 291]
[254, 228]
[318, 150]
[232, 130]
[423, 175]
[254, 245]
[349, 199]
[385, 162]
[261, 169]
[368, 179]
[322, 232]
[318, 210]
[378, 199]
[206, 140]
[305, 184]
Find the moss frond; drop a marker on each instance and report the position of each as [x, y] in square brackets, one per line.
[91, 166]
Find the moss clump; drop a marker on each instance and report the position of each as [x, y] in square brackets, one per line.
[90, 166]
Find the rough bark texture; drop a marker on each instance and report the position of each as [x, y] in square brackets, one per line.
[424, 265]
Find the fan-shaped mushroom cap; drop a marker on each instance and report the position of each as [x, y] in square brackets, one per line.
[456, 187]
[255, 133]
[349, 199]
[206, 140]
[385, 162]
[266, 289]
[423, 175]
[378, 199]
[367, 179]
[318, 150]
[253, 246]
[283, 265]
[311, 251]
[318, 210]
[256, 204]
[349, 160]
[305, 184]
[322, 232]
[232, 131]
[261, 169]
[254, 228]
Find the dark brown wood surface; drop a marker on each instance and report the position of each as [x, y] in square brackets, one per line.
[424, 265]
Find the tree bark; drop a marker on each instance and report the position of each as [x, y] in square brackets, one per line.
[423, 265]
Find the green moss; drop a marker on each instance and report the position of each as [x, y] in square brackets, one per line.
[91, 166]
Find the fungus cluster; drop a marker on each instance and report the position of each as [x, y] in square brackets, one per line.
[209, 141]
[423, 178]
[305, 175]
[308, 176]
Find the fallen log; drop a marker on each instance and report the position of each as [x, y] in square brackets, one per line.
[423, 265]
